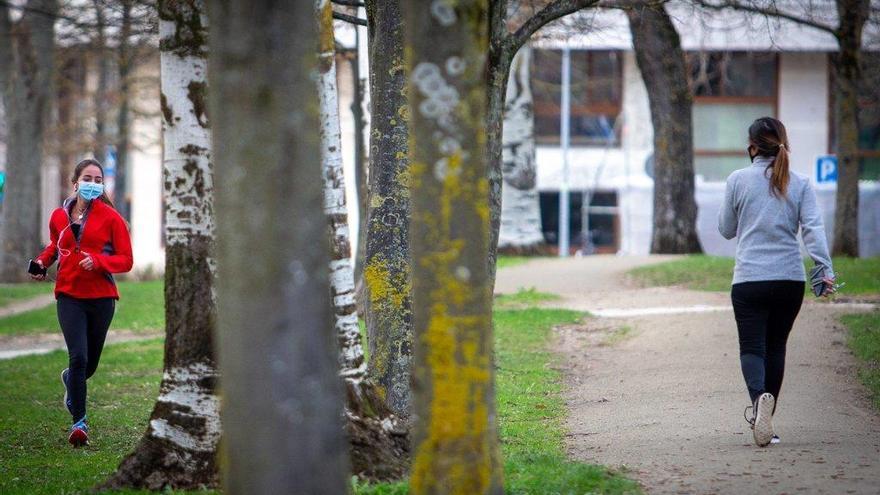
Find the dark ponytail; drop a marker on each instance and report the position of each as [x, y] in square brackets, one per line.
[769, 137]
[77, 171]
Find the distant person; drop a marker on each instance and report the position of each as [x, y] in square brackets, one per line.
[91, 241]
[764, 207]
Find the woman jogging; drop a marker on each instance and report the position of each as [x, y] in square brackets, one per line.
[764, 207]
[90, 240]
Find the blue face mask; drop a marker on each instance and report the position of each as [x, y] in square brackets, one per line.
[90, 190]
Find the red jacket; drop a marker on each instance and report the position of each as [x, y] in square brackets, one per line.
[103, 235]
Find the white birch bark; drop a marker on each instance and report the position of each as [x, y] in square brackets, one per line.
[179, 447]
[520, 208]
[342, 289]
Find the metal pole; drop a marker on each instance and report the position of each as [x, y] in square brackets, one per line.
[564, 138]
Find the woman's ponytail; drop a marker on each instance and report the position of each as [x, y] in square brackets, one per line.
[769, 137]
[780, 176]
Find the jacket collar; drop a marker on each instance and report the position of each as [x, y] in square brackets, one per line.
[763, 161]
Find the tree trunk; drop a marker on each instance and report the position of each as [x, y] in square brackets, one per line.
[387, 268]
[123, 118]
[26, 64]
[497, 74]
[281, 390]
[179, 447]
[361, 174]
[379, 445]
[520, 208]
[100, 50]
[455, 437]
[662, 64]
[847, 78]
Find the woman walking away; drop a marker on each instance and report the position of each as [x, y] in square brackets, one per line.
[764, 206]
[91, 242]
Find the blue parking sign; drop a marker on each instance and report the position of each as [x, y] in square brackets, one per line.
[826, 169]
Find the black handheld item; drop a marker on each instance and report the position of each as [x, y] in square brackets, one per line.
[817, 280]
[35, 269]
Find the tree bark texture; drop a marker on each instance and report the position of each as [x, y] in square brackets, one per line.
[179, 448]
[455, 437]
[123, 117]
[520, 208]
[846, 65]
[379, 445]
[387, 267]
[282, 403]
[662, 64]
[101, 103]
[26, 65]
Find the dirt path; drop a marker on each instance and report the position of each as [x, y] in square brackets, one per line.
[24, 305]
[666, 402]
[12, 346]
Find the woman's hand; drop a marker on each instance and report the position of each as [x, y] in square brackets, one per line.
[829, 287]
[87, 262]
[41, 276]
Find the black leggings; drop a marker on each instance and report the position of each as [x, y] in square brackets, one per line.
[84, 323]
[765, 313]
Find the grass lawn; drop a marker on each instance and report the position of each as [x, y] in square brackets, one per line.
[508, 261]
[531, 412]
[140, 307]
[523, 298]
[13, 292]
[864, 340]
[36, 458]
[714, 273]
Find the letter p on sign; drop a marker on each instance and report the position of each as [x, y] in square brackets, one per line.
[826, 169]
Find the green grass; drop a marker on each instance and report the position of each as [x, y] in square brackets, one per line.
[12, 292]
[36, 457]
[140, 307]
[523, 298]
[714, 273]
[531, 413]
[864, 340]
[509, 261]
[618, 335]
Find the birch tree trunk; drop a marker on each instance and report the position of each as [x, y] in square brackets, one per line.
[26, 65]
[179, 447]
[387, 267]
[520, 207]
[282, 399]
[455, 438]
[852, 15]
[379, 444]
[662, 64]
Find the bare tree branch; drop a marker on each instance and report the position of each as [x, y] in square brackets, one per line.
[349, 18]
[553, 11]
[771, 10]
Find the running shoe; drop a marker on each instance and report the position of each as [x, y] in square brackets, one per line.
[67, 402]
[762, 426]
[79, 433]
[775, 440]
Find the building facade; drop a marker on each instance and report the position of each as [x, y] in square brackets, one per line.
[741, 68]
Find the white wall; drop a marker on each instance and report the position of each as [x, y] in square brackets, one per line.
[803, 107]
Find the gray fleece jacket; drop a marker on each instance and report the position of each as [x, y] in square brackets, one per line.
[766, 226]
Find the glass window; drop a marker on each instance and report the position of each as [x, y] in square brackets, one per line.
[731, 89]
[596, 94]
[868, 117]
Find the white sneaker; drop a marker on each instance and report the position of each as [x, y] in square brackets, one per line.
[775, 440]
[762, 428]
